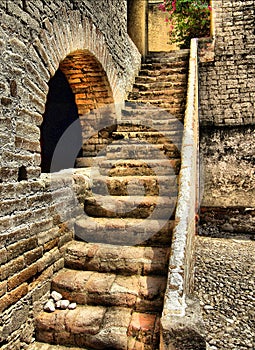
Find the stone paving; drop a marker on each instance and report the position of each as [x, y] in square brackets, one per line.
[224, 283]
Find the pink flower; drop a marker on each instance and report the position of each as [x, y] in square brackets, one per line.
[210, 8]
[166, 20]
[162, 7]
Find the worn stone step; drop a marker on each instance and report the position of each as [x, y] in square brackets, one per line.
[150, 231]
[157, 136]
[99, 328]
[166, 54]
[163, 73]
[126, 260]
[165, 64]
[142, 293]
[163, 103]
[154, 81]
[159, 167]
[148, 111]
[43, 346]
[156, 86]
[136, 149]
[142, 124]
[169, 94]
[138, 185]
[130, 206]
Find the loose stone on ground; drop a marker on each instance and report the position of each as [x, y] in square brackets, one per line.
[224, 283]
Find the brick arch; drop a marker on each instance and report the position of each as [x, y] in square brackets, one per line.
[88, 81]
[79, 89]
[67, 38]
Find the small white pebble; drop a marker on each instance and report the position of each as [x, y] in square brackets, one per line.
[62, 304]
[72, 306]
[49, 306]
[56, 296]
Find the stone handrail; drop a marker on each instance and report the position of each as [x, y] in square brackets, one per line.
[180, 324]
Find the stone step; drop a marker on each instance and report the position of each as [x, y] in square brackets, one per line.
[158, 167]
[150, 231]
[136, 149]
[146, 111]
[154, 86]
[44, 346]
[126, 260]
[169, 105]
[173, 95]
[99, 328]
[163, 74]
[161, 80]
[130, 185]
[159, 65]
[166, 54]
[142, 293]
[142, 124]
[130, 206]
[131, 167]
[158, 136]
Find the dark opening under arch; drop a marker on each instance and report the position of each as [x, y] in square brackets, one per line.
[60, 112]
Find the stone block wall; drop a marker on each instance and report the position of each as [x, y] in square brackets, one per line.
[227, 106]
[227, 85]
[37, 211]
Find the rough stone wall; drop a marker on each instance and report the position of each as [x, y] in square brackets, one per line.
[35, 37]
[227, 175]
[158, 29]
[227, 97]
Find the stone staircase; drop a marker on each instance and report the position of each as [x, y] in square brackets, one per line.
[116, 269]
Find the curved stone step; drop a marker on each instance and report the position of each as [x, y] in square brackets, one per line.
[142, 293]
[125, 231]
[127, 260]
[99, 328]
[138, 185]
[130, 206]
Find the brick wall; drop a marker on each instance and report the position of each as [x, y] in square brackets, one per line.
[35, 37]
[227, 85]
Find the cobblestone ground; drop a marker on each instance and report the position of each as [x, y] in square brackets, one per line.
[224, 283]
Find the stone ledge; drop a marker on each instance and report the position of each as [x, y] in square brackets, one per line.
[183, 332]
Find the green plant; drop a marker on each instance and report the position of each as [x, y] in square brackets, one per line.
[188, 19]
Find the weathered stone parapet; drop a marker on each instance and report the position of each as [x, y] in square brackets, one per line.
[179, 327]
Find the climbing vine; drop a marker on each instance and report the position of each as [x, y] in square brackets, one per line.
[187, 19]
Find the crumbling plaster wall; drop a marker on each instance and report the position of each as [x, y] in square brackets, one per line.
[227, 97]
[35, 36]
